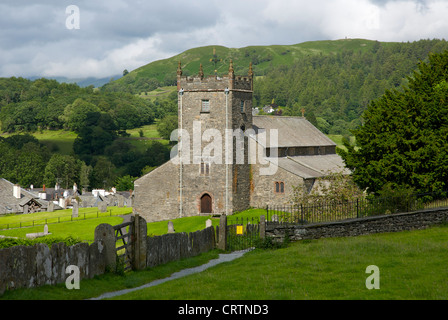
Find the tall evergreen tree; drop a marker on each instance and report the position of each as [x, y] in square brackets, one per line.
[403, 140]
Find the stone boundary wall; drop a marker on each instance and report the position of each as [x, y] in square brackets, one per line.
[38, 265]
[360, 226]
[176, 246]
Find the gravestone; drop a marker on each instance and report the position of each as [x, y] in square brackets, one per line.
[25, 209]
[170, 227]
[102, 206]
[120, 201]
[75, 209]
[62, 203]
[50, 207]
[208, 223]
[46, 229]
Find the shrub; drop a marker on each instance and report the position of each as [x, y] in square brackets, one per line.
[11, 242]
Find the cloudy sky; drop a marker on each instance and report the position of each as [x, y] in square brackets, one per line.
[49, 38]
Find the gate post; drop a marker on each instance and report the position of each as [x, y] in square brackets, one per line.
[222, 241]
[105, 233]
[139, 243]
[262, 227]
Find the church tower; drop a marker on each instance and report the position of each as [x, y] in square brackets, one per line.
[214, 111]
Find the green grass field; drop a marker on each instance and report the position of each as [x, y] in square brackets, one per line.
[59, 140]
[60, 223]
[412, 265]
[161, 92]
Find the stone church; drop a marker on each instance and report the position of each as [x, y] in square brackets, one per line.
[228, 160]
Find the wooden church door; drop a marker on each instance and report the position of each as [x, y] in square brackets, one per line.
[206, 203]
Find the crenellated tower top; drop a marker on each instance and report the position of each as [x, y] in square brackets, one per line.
[215, 82]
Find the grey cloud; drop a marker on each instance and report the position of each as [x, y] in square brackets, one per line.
[113, 33]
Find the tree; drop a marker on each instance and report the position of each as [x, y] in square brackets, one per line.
[125, 183]
[403, 139]
[103, 173]
[62, 169]
[167, 125]
[78, 113]
[335, 187]
[23, 160]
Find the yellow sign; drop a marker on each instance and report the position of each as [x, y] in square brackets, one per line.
[239, 229]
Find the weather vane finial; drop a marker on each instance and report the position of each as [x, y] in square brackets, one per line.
[215, 60]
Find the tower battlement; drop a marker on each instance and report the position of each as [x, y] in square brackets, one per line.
[215, 82]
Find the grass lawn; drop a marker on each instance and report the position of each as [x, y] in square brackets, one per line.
[149, 131]
[191, 224]
[412, 264]
[78, 228]
[188, 224]
[337, 138]
[161, 92]
[81, 229]
[150, 134]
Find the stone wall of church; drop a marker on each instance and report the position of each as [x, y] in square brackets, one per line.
[263, 188]
[156, 194]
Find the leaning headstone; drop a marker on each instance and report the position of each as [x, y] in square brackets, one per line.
[50, 207]
[75, 210]
[208, 223]
[62, 203]
[170, 227]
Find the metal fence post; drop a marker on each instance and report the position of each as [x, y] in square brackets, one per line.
[357, 208]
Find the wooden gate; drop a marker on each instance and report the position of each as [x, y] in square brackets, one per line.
[123, 244]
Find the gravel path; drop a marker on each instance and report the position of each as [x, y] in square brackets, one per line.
[225, 257]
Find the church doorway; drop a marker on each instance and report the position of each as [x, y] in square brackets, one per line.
[206, 203]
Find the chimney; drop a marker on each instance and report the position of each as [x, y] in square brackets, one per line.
[16, 191]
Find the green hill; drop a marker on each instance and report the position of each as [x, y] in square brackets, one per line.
[333, 81]
[263, 58]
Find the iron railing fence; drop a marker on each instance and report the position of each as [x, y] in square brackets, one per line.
[369, 206]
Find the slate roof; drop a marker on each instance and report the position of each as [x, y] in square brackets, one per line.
[310, 167]
[292, 131]
[10, 204]
[299, 132]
